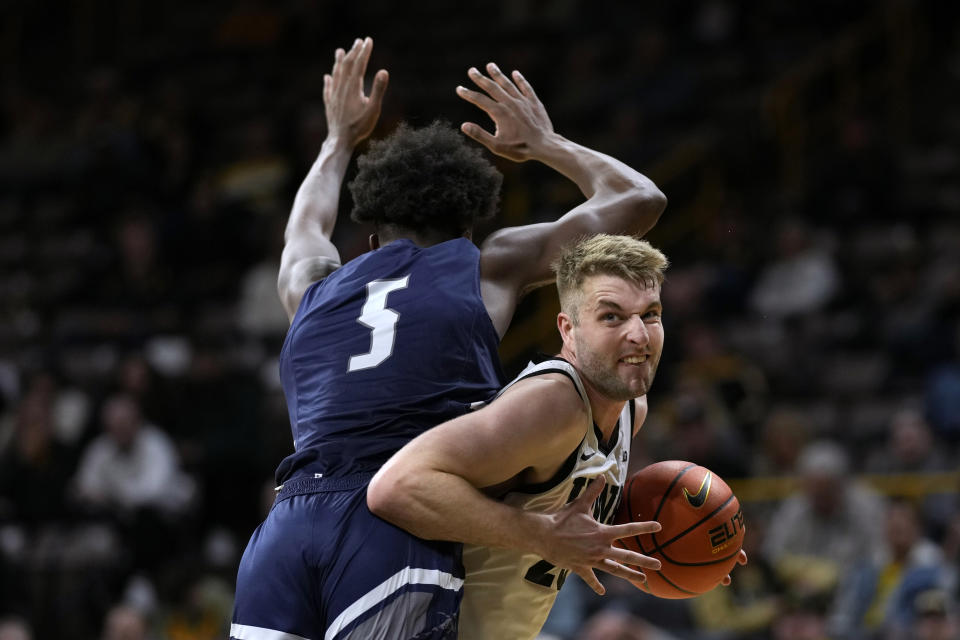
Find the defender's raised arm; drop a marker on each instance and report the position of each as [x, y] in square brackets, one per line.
[308, 252]
[620, 199]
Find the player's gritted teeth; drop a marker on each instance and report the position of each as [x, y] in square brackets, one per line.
[634, 359]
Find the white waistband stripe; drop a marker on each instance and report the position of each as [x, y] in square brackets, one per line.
[405, 576]
[245, 632]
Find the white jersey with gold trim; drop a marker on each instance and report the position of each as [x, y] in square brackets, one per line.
[508, 594]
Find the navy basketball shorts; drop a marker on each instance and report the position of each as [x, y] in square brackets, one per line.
[322, 567]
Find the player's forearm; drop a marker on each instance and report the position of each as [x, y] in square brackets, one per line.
[314, 211]
[604, 179]
[443, 506]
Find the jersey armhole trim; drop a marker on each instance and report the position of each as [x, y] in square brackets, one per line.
[558, 477]
[540, 372]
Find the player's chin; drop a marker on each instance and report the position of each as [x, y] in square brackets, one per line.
[638, 385]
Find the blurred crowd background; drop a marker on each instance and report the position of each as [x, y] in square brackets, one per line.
[149, 153]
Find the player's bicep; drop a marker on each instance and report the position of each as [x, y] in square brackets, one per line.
[297, 272]
[529, 426]
[524, 255]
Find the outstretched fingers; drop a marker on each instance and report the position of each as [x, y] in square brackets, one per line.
[622, 571]
[478, 99]
[492, 88]
[363, 55]
[343, 60]
[525, 88]
[632, 558]
[337, 71]
[479, 134]
[591, 579]
[741, 560]
[586, 499]
[354, 64]
[485, 104]
[614, 568]
[630, 529]
[350, 112]
[502, 80]
[380, 81]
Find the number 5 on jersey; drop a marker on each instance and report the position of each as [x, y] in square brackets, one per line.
[381, 321]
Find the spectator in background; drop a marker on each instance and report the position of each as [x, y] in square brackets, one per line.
[139, 379]
[201, 611]
[703, 430]
[131, 475]
[35, 468]
[124, 622]
[136, 289]
[613, 623]
[803, 618]
[877, 595]
[259, 312]
[748, 606]
[935, 617]
[15, 629]
[819, 531]
[131, 465]
[784, 434]
[912, 447]
[802, 277]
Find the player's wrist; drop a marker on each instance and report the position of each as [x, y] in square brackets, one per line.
[339, 141]
[537, 530]
[548, 145]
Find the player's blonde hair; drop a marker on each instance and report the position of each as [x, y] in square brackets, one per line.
[625, 257]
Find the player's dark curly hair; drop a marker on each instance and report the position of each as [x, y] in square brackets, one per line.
[426, 179]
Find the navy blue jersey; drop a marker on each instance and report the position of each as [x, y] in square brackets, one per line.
[390, 344]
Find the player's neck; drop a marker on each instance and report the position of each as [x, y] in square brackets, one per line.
[426, 238]
[606, 410]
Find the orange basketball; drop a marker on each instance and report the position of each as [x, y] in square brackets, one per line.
[702, 526]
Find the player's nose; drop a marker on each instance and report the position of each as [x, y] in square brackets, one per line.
[637, 332]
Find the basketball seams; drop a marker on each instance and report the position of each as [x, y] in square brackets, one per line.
[673, 483]
[639, 542]
[665, 495]
[629, 503]
[700, 564]
[646, 493]
[680, 589]
[696, 524]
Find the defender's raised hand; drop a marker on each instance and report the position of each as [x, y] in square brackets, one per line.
[520, 119]
[350, 113]
[579, 543]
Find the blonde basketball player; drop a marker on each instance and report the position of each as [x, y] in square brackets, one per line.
[562, 423]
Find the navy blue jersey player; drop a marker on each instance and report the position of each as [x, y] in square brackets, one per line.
[399, 340]
[388, 344]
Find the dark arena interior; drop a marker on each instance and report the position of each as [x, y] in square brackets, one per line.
[810, 152]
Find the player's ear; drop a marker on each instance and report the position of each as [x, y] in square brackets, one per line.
[374, 242]
[565, 326]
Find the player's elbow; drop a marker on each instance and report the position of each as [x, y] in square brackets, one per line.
[648, 200]
[386, 495]
[657, 200]
[643, 205]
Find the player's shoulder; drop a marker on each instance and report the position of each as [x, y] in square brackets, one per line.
[550, 391]
[554, 380]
